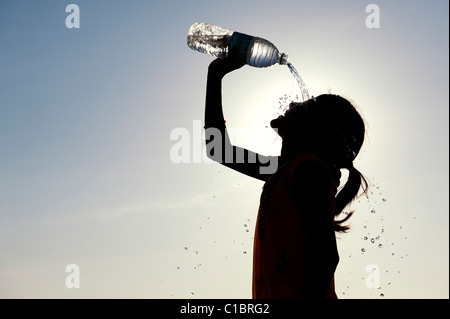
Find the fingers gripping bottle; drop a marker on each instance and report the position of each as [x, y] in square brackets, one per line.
[217, 41]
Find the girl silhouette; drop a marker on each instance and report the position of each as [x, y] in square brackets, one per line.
[295, 253]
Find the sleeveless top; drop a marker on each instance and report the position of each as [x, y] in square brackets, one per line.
[280, 245]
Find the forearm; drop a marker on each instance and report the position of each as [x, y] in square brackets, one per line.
[218, 145]
[213, 109]
[213, 106]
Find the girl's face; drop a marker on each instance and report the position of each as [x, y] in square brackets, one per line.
[292, 122]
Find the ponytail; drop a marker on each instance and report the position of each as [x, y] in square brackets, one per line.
[347, 194]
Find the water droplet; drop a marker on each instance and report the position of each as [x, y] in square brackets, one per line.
[192, 293]
[245, 225]
[373, 211]
[384, 199]
[382, 295]
[196, 252]
[244, 252]
[380, 246]
[363, 250]
[372, 240]
[247, 230]
[365, 237]
[185, 248]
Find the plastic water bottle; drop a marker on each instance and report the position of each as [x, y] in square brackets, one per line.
[217, 41]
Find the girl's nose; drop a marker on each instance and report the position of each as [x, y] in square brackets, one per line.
[276, 123]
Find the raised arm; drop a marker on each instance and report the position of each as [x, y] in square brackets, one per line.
[219, 147]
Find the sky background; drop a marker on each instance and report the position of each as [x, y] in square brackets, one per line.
[86, 116]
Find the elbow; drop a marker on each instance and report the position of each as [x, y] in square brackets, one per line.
[216, 144]
[213, 152]
[212, 157]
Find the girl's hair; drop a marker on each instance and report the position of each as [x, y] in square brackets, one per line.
[335, 131]
[346, 195]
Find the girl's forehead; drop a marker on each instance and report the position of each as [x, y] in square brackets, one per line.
[296, 107]
[304, 104]
[295, 104]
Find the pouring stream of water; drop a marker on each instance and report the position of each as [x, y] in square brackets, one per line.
[300, 82]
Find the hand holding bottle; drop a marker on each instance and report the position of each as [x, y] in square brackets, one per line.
[220, 67]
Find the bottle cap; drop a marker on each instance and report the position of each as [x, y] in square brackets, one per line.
[283, 59]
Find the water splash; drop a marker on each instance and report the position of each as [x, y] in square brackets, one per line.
[301, 84]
